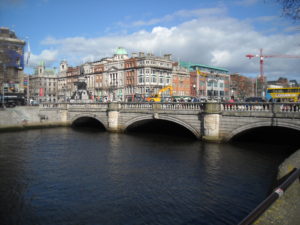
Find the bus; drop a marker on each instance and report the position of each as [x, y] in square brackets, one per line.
[291, 94]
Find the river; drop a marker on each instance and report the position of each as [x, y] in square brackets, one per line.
[66, 176]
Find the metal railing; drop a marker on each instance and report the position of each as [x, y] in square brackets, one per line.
[277, 193]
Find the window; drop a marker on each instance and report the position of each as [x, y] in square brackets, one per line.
[161, 80]
[168, 80]
[153, 80]
[141, 79]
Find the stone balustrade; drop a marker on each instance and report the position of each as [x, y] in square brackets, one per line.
[189, 106]
[257, 107]
[163, 106]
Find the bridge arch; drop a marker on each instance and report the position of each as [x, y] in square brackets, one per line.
[260, 124]
[187, 126]
[91, 116]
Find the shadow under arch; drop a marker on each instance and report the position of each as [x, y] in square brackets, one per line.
[163, 124]
[87, 121]
[281, 133]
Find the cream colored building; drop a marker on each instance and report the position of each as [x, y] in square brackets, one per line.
[43, 84]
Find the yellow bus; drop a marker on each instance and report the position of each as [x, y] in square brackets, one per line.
[291, 94]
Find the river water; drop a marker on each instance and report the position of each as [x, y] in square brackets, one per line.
[65, 176]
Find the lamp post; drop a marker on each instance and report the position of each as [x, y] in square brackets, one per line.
[3, 102]
[194, 87]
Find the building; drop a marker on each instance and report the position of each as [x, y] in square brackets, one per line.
[62, 81]
[72, 76]
[11, 61]
[208, 81]
[181, 81]
[124, 78]
[280, 83]
[293, 83]
[43, 84]
[120, 77]
[153, 73]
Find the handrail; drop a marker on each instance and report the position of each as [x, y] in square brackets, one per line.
[277, 193]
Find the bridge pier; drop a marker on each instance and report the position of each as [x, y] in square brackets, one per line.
[211, 122]
[113, 117]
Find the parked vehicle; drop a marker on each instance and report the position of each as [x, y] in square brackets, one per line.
[254, 99]
[12, 99]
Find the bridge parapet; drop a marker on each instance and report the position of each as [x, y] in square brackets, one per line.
[85, 106]
[274, 110]
[190, 106]
[186, 106]
[259, 107]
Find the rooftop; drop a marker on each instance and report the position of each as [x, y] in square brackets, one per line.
[121, 51]
[193, 66]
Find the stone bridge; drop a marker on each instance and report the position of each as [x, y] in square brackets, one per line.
[208, 121]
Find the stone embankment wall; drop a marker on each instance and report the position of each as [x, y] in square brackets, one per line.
[30, 116]
[286, 210]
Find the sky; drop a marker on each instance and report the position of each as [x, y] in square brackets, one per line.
[215, 33]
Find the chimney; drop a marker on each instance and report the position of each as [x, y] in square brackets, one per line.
[167, 56]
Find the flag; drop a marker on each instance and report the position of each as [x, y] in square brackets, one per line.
[41, 94]
[201, 73]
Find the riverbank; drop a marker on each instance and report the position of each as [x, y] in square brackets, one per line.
[285, 211]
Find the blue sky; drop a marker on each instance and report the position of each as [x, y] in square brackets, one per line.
[216, 33]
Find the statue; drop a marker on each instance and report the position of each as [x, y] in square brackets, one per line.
[81, 93]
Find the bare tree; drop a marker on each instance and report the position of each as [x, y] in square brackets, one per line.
[291, 8]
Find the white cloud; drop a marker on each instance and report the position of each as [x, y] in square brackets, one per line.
[205, 40]
[47, 56]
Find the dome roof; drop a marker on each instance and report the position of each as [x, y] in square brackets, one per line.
[121, 51]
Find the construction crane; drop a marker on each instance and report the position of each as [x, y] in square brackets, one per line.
[261, 57]
[157, 97]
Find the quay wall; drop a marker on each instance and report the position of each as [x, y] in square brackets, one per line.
[30, 116]
[285, 211]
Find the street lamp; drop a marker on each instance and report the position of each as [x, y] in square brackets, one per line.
[194, 87]
[4, 68]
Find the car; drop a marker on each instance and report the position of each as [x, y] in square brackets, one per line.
[254, 99]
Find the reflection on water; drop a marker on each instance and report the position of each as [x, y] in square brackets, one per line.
[66, 176]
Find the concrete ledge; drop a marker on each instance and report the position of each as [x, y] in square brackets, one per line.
[25, 126]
